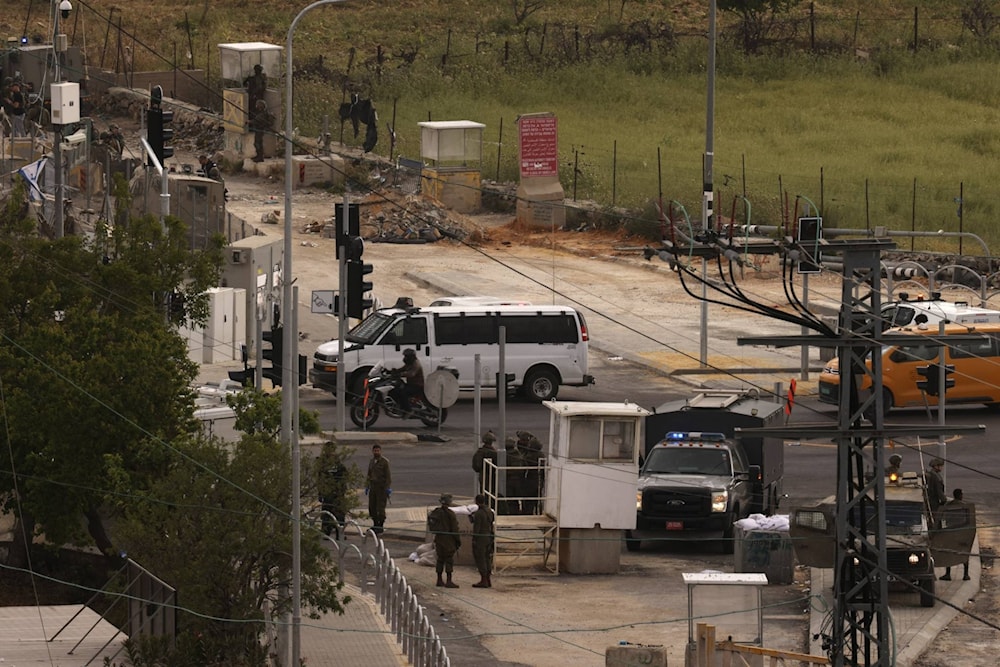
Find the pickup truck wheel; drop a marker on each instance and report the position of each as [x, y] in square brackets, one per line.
[729, 535]
[927, 593]
[632, 544]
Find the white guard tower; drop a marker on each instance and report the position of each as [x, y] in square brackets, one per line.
[453, 150]
[238, 63]
[593, 472]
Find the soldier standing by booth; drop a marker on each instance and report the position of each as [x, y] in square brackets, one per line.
[515, 478]
[443, 524]
[483, 527]
[534, 475]
[485, 452]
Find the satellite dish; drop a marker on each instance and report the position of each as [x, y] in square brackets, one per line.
[441, 389]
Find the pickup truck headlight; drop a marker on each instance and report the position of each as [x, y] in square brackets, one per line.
[638, 501]
[720, 499]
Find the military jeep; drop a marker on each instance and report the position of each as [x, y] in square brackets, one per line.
[915, 544]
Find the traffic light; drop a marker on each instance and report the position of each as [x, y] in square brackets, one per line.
[276, 357]
[357, 286]
[949, 381]
[810, 231]
[157, 122]
[246, 376]
[276, 338]
[931, 384]
[352, 229]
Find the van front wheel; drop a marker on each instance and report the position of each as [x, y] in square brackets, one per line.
[540, 385]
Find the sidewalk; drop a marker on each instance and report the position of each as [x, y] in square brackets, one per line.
[359, 637]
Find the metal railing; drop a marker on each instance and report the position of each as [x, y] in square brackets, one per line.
[396, 600]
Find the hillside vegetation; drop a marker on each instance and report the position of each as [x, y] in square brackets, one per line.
[878, 114]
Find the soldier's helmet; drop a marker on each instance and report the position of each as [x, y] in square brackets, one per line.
[489, 438]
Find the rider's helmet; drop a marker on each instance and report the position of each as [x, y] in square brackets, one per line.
[409, 354]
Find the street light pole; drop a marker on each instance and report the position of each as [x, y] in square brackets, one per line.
[290, 342]
[708, 187]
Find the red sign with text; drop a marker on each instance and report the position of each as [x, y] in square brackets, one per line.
[539, 146]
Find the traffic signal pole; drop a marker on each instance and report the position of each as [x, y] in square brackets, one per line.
[342, 320]
[942, 391]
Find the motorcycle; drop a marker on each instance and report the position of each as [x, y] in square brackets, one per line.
[377, 397]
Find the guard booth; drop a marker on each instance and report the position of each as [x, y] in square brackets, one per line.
[453, 151]
[238, 61]
[590, 486]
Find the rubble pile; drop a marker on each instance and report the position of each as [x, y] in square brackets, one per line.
[389, 217]
[194, 129]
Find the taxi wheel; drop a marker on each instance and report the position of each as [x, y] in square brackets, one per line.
[886, 405]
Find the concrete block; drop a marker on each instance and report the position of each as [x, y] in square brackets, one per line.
[308, 170]
[635, 655]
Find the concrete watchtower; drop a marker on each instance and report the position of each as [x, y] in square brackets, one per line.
[240, 62]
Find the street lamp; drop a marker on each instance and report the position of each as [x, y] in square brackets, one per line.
[290, 341]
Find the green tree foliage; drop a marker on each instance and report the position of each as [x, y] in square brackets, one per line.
[217, 527]
[94, 378]
[759, 20]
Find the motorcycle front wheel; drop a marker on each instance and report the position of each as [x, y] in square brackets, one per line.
[431, 419]
[364, 414]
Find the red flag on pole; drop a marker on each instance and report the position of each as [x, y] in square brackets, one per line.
[790, 401]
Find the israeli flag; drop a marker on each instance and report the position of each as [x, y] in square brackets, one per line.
[30, 173]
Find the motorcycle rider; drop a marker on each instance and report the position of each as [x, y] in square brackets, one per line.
[413, 373]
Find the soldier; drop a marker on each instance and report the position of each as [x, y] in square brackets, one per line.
[486, 451]
[261, 121]
[209, 168]
[483, 527]
[934, 488]
[957, 502]
[332, 486]
[256, 85]
[895, 461]
[378, 488]
[443, 523]
[534, 475]
[515, 477]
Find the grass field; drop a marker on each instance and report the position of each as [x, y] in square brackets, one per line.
[854, 120]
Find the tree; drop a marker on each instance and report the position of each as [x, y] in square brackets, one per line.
[95, 379]
[217, 528]
[759, 19]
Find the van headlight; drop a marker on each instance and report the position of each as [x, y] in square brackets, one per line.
[719, 501]
[638, 501]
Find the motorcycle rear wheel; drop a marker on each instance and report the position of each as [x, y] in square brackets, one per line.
[364, 414]
[430, 419]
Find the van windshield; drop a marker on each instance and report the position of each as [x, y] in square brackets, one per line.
[368, 331]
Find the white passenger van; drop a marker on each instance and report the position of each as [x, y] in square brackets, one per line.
[546, 347]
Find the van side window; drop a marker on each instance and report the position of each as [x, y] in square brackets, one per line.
[974, 349]
[466, 329]
[914, 353]
[407, 331]
[558, 329]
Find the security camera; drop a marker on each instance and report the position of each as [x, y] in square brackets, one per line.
[65, 8]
